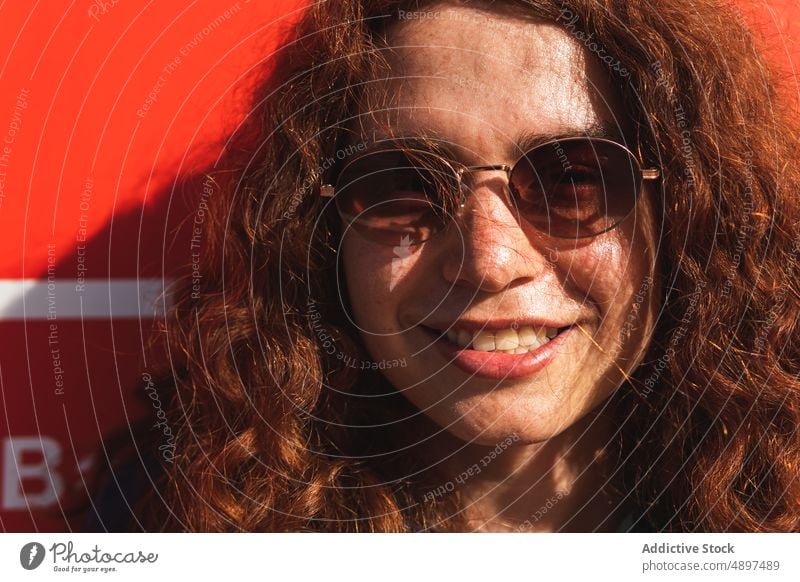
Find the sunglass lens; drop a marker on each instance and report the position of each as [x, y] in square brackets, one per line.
[394, 197]
[575, 188]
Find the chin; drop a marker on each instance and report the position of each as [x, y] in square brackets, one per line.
[489, 419]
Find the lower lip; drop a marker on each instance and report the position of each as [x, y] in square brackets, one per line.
[499, 366]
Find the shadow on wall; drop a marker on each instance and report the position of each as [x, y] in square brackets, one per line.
[94, 363]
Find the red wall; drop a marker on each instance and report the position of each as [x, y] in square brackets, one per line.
[89, 204]
[88, 195]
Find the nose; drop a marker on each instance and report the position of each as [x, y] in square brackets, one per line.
[488, 246]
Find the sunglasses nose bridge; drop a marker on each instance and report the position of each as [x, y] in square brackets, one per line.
[489, 168]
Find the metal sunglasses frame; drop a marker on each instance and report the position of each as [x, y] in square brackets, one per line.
[328, 190]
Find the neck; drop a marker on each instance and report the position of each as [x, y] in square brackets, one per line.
[558, 485]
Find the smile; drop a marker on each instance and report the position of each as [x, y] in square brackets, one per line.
[500, 354]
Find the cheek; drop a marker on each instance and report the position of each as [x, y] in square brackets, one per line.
[607, 276]
[616, 274]
[377, 277]
[601, 273]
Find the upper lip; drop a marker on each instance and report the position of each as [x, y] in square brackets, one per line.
[474, 325]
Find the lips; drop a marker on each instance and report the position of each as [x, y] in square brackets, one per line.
[500, 353]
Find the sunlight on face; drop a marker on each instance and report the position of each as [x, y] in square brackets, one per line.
[581, 310]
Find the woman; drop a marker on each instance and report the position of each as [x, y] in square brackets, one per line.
[498, 266]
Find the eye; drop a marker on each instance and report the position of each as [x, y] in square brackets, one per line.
[399, 206]
[556, 185]
[576, 185]
[409, 181]
[392, 192]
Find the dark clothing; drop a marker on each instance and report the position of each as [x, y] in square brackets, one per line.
[117, 505]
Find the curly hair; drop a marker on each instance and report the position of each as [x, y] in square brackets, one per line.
[274, 434]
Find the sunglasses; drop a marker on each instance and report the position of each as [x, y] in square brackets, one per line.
[573, 188]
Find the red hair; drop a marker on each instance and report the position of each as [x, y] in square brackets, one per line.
[266, 422]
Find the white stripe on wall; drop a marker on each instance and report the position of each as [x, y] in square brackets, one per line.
[34, 299]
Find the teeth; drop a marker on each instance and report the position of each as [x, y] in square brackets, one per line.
[506, 341]
[484, 342]
[464, 338]
[529, 336]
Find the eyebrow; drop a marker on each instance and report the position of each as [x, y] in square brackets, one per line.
[528, 140]
[525, 141]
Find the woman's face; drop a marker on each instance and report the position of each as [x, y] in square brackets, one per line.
[483, 82]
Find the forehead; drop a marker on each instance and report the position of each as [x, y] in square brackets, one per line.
[481, 79]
